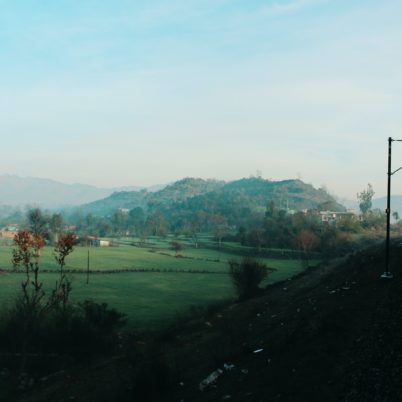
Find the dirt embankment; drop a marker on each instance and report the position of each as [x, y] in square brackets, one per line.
[331, 334]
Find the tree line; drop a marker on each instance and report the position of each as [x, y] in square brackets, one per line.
[226, 218]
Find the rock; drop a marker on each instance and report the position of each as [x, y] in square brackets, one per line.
[211, 379]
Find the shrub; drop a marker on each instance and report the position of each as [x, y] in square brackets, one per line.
[176, 246]
[246, 275]
[96, 327]
[78, 332]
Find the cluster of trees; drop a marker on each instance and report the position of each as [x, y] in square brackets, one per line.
[158, 222]
[306, 231]
[229, 215]
[134, 222]
[45, 225]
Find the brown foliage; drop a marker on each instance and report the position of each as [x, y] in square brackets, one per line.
[307, 240]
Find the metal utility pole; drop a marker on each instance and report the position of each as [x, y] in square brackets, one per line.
[387, 274]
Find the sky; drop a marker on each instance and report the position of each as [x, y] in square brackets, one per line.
[114, 93]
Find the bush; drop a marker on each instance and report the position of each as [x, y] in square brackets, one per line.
[77, 332]
[246, 275]
[93, 329]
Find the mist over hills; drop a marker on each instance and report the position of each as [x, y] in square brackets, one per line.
[46, 193]
[378, 203]
[18, 191]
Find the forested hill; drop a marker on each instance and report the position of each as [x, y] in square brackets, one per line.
[184, 189]
[286, 194]
[244, 196]
[176, 192]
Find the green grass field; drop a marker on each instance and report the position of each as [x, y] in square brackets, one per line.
[150, 299]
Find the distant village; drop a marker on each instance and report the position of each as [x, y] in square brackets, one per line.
[8, 233]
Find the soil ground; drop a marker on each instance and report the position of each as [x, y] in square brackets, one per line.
[332, 333]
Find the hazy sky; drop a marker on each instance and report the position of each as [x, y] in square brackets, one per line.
[139, 92]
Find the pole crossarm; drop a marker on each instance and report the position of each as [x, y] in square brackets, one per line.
[397, 170]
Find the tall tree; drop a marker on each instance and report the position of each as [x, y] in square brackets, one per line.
[194, 225]
[156, 223]
[136, 218]
[119, 221]
[365, 199]
[37, 222]
[30, 306]
[56, 226]
[220, 227]
[63, 247]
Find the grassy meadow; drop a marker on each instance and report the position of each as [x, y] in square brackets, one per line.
[169, 288]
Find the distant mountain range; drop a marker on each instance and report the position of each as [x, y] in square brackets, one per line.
[186, 193]
[396, 203]
[379, 203]
[46, 193]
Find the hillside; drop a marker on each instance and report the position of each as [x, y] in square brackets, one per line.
[119, 199]
[190, 194]
[292, 194]
[185, 188]
[330, 334]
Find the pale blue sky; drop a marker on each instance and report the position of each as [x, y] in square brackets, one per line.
[125, 92]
